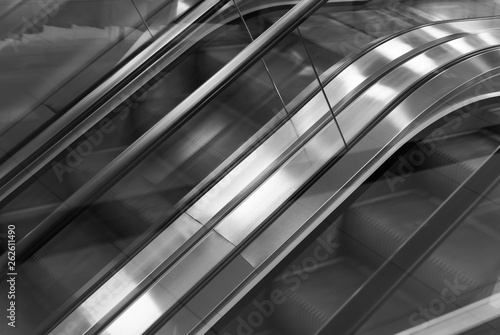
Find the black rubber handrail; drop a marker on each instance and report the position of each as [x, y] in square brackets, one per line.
[388, 277]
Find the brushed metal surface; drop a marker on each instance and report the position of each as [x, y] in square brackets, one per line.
[173, 285]
[261, 158]
[280, 186]
[129, 277]
[389, 87]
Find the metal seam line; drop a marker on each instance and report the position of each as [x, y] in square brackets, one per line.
[263, 61]
[322, 88]
[140, 15]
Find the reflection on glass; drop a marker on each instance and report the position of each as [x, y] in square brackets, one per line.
[62, 50]
[48, 46]
[291, 70]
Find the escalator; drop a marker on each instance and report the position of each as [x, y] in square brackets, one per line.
[240, 241]
[411, 248]
[320, 278]
[85, 260]
[99, 241]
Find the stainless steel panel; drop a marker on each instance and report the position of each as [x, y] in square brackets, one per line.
[219, 288]
[142, 313]
[384, 54]
[181, 323]
[461, 320]
[274, 191]
[208, 298]
[132, 274]
[368, 65]
[240, 177]
[275, 235]
[475, 26]
[173, 285]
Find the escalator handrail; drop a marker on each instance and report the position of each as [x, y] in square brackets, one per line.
[378, 42]
[45, 146]
[269, 171]
[153, 137]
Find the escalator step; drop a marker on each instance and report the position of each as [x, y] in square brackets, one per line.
[312, 297]
[129, 216]
[440, 164]
[381, 225]
[466, 148]
[79, 251]
[39, 292]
